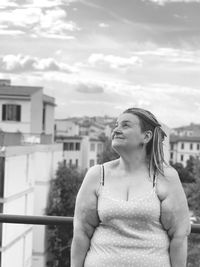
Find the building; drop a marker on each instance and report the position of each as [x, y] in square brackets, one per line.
[81, 151]
[24, 191]
[28, 161]
[66, 127]
[82, 127]
[26, 115]
[182, 147]
[189, 130]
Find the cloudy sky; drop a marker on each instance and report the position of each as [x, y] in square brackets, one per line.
[99, 57]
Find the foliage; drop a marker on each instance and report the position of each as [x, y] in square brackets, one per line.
[108, 153]
[61, 202]
[192, 190]
[186, 174]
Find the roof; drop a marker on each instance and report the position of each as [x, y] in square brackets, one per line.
[74, 137]
[96, 139]
[25, 92]
[177, 138]
[18, 90]
[49, 100]
[191, 127]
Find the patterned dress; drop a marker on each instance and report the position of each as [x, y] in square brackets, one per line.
[130, 233]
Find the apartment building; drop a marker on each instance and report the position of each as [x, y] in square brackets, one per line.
[81, 151]
[81, 127]
[26, 114]
[182, 147]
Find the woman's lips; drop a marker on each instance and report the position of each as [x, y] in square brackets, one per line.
[118, 137]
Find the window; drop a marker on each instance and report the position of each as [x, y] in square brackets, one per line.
[198, 146]
[182, 145]
[171, 155]
[76, 163]
[77, 146]
[66, 146]
[11, 112]
[71, 146]
[172, 146]
[191, 146]
[91, 162]
[92, 147]
[182, 157]
[99, 148]
[70, 163]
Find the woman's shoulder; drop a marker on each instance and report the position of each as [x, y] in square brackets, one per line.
[112, 164]
[168, 183]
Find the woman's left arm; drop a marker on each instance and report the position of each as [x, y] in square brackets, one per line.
[175, 218]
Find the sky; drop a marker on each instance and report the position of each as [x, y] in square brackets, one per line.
[100, 57]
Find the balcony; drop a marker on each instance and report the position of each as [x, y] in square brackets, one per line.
[19, 138]
[56, 220]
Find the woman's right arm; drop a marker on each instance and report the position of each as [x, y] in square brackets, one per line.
[85, 216]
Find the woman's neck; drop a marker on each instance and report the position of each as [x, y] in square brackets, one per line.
[134, 162]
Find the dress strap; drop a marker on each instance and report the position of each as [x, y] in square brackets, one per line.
[102, 175]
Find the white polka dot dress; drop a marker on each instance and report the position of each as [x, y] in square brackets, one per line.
[130, 233]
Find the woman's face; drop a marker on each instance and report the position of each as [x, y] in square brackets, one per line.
[127, 133]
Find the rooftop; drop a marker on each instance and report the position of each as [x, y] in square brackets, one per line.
[176, 138]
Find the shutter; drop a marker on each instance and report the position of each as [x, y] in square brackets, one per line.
[3, 112]
[18, 113]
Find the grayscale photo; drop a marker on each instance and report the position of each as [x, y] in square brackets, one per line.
[99, 133]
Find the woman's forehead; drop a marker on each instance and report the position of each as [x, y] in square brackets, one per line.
[128, 117]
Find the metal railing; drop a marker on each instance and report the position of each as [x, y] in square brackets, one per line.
[55, 220]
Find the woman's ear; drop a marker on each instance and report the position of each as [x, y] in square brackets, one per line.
[147, 136]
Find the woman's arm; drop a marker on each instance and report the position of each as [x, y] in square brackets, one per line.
[85, 217]
[175, 218]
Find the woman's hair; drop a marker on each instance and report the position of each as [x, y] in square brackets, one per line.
[154, 148]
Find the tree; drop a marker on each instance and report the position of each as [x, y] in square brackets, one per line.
[186, 174]
[192, 191]
[61, 202]
[108, 153]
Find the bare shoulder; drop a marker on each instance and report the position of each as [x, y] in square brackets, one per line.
[111, 165]
[92, 178]
[168, 184]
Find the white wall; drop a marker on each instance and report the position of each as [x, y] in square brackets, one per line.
[28, 171]
[49, 119]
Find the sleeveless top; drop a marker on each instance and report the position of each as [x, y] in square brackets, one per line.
[129, 234]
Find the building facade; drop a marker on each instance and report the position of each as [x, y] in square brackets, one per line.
[24, 191]
[81, 152]
[182, 147]
[26, 111]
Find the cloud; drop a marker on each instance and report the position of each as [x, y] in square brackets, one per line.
[89, 88]
[171, 55]
[114, 62]
[162, 2]
[8, 3]
[36, 21]
[103, 25]
[21, 63]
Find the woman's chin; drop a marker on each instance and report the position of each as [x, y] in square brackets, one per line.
[117, 146]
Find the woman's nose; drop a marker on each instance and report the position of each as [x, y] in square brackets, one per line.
[117, 130]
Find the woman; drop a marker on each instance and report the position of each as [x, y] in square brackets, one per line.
[132, 211]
